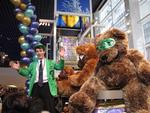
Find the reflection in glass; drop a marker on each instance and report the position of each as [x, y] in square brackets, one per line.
[69, 43]
[118, 12]
[114, 3]
[121, 24]
[148, 51]
[146, 28]
[107, 23]
[105, 10]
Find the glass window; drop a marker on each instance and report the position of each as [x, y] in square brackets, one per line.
[112, 14]
[148, 51]
[105, 10]
[146, 29]
[114, 3]
[144, 8]
[107, 23]
[118, 12]
[97, 30]
[121, 24]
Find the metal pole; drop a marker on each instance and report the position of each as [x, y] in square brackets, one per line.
[91, 19]
[55, 30]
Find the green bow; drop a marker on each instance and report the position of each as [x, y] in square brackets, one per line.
[106, 44]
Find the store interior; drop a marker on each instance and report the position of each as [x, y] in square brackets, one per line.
[67, 24]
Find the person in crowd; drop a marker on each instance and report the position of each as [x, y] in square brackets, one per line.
[41, 75]
[36, 105]
[15, 103]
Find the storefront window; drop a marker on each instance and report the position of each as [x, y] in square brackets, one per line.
[144, 6]
[118, 12]
[114, 3]
[105, 10]
[148, 53]
[112, 14]
[121, 24]
[146, 29]
[107, 23]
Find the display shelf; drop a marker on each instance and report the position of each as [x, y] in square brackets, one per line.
[110, 94]
[110, 101]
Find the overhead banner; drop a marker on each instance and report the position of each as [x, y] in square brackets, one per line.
[74, 6]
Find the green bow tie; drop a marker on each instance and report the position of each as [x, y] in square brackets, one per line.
[106, 44]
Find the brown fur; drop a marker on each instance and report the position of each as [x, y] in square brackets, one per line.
[67, 71]
[118, 68]
[74, 80]
[143, 111]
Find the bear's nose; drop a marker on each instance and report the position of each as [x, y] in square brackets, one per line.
[104, 57]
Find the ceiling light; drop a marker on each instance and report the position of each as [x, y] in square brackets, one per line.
[12, 86]
[48, 24]
[45, 24]
[40, 23]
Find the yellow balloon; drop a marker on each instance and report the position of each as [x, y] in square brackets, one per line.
[21, 39]
[19, 16]
[16, 2]
[26, 21]
[23, 53]
[23, 6]
[70, 20]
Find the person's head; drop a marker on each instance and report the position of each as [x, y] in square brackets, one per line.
[15, 103]
[40, 51]
[36, 105]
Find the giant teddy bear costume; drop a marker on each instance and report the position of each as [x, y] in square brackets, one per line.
[118, 68]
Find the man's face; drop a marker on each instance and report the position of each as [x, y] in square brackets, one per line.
[40, 53]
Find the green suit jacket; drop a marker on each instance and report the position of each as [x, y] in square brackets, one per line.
[30, 73]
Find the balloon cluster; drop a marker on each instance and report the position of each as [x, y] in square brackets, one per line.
[27, 86]
[28, 27]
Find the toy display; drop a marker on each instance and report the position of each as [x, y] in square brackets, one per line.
[74, 80]
[118, 67]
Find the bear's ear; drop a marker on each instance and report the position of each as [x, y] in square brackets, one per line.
[118, 33]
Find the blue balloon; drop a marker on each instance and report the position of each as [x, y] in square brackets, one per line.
[17, 10]
[37, 37]
[29, 38]
[29, 3]
[28, 90]
[30, 52]
[23, 29]
[29, 12]
[31, 7]
[34, 43]
[33, 18]
[33, 30]
[27, 83]
[25, 60]
[35, 25]
[25, 46]
[26, 1]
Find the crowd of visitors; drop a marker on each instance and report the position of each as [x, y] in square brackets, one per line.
[15, 100]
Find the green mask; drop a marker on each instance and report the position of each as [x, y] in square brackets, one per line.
[106, 44]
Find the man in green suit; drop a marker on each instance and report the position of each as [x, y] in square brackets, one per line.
[41, 75]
